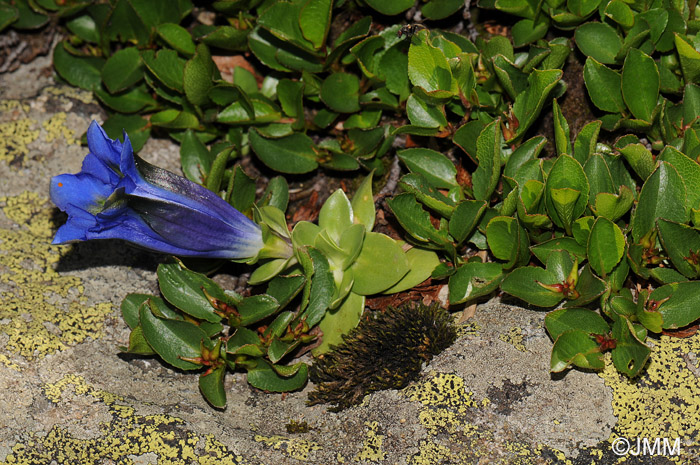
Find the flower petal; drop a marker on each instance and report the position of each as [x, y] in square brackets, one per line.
[106, 149]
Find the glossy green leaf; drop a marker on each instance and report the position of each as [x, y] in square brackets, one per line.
[256, 308]
[291, 154]
[211, 386]
[575, 347]
[427, 65]
[662, 196]
[524, 283]
[183, 288]
[439, 9]
[639, 158]
[488, 152]
[138, 343]
[689, 58]
[130, 308]
[78, 71]
[629, 355]
[681, 243]
[414, 219]
[130, 101]
[598, 40]
[176, 37]
[320, 288]
[175, 119]
[507, 240]
[473, 280]
[340, 91]
[688, 169]
[122, 70]
[314, 20]
[566, 191]
[434, 166]
[195, 157]
[614, 206]
[586, 139]
[569, 244]
[640, 84]
[264, 377]
[166, 66]
[172, 339]
[465, 218]
[527, 105]
[426, 194]
[573, 318]
[423, 114]
[606, 246]
[282, 20]
[604, 86]
[242, 192]
[683, 305]
[527, 31]
[390, 8]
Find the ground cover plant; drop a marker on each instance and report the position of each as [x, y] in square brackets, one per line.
[597, 226]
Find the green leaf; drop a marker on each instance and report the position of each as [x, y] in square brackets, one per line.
[390, 8]
[629, 355]
[427, 66]
[576, 347]
[421, 264]
[314, 20]
[562, 136]
[138, 343]
[211, 386]
[613, 206]
[527, 31]
[639, 158]
[131, 101]
[606, 246]
[256, 308]
[507, 240]
[439, 9]
[122, 70]
[414, 219]
[681, 242]
[465, 218]
[8, 15]
[363, 204]
[340, 91]
[380, 265]
[224, 37]
[598, 175]
[434, 166]
[264, 377]
[662, 196]
[640, 84]
[527, 105]
[176, 37]
[198, 74]
[336, 215]
[320, 288]
[573, 318]
[566, 191]
[292, 154]
[586, 139]
[78, 71]
[524, 283]
[282, 20]
[689, 58]
[195, 157]
[130, 308]
[172, 339]
[544, 249]
[429, 196]
[473, 280]
[488, 152]
[183, 288]
[340, 321]
[424, 115]
[604, 86]
[166, 66]
[598, 40]
[688, 169]
[137, 128]
[244, 342]
[175, 119]
[276, 194]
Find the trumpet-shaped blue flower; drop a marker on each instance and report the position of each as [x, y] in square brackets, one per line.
[117, 195]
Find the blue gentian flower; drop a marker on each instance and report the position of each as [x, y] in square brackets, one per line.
[117, 195]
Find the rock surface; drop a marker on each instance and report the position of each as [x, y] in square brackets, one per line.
[69, 397]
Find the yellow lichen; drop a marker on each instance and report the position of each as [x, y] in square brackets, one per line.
[125, 436]
[665, 401]
[299, 449]
[32, 317]
[81, 95]
[372, 447]
[15, 137]
[55, 127]
[514, 338]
